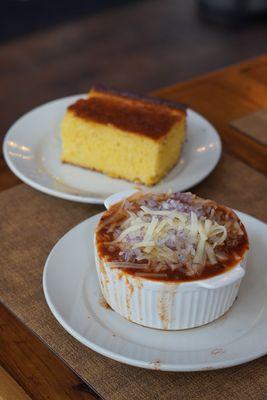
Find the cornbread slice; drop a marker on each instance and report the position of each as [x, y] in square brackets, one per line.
[124, 136]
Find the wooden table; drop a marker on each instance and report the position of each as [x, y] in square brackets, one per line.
[221, 97]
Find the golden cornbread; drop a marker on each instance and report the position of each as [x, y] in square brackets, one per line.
[123, 136]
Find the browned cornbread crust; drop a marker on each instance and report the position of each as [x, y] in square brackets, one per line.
[99, 90]
[149, 118]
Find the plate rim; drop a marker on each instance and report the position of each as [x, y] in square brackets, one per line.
[90, 199]
[122, 358]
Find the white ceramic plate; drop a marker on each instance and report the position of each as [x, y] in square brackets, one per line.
[72, 292]
[32, 151]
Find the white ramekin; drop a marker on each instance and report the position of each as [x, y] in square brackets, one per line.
[168, 305]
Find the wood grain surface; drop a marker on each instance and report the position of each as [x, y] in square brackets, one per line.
[67, 60]
[142, 47]
[37, 370]
[224, 96]
[9, 389]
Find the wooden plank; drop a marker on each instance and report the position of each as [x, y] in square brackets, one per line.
[7, 178]
[9, 389]
[36, 368]
[226, 95]
[68, 58]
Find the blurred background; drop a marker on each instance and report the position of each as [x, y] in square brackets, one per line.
[50, 49]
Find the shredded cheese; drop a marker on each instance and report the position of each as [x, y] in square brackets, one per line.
[169, 236]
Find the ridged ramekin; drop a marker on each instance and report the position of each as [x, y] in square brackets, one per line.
[168, 305]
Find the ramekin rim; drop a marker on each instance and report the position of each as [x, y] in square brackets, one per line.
[234, 273]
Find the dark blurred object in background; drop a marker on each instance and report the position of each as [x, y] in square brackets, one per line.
[232, 12]
[18, 17]
[137, 45]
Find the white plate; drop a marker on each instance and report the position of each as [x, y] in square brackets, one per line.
[72, 292]
[32, 151]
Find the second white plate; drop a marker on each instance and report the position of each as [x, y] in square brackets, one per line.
[32, 151]
[72, 292]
